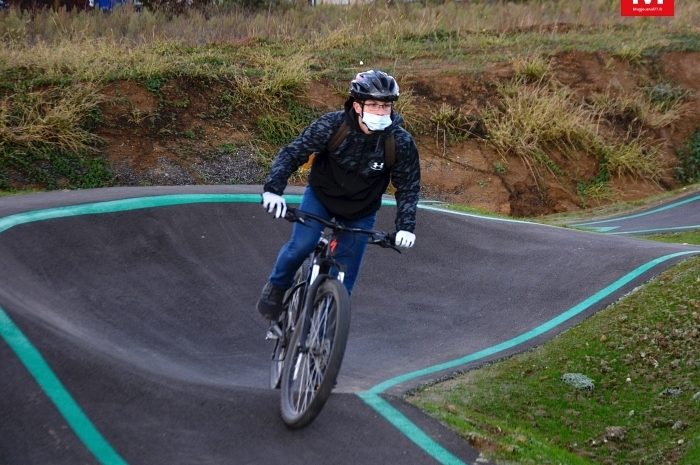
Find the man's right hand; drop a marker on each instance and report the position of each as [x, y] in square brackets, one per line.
[274, 204]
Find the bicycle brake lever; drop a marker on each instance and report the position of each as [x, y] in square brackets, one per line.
[391, 238]
[292, 216]
[387, 242]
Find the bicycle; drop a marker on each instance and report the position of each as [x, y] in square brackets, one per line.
[311, 335]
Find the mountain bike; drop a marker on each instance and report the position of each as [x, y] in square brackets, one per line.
[311, 334]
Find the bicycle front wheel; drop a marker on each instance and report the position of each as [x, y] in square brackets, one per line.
[315, 355]
[288, 322]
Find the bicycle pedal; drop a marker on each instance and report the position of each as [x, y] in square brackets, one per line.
[274, 332]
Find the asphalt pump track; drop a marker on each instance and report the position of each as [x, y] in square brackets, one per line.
[129, 334]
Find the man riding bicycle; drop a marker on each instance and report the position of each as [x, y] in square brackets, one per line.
[346, 181]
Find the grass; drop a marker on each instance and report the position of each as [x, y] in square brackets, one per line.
[643, 355]
[655, 107]
[614, 208]
[268, 58]
[533, 119]
[52, 63]
[688, 168]
[124, 45]
[686, 237]
[46, 138]
[56, 117]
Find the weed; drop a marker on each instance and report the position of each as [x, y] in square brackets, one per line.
[52, 169]
[55, 118]
[180, 103]
[666, 96]
[634, 157]
[136, 115]
[154, 84]
[277, 131]
[631, 52]
[543, 159]
[415, 116]
[227, 148]
[500, 167]
[533, 120]
[688, 168]
[451, 125]
[280, 127]
[190, 134]
[277, 82]
[531, 69]
[595, 190]
[656, 106]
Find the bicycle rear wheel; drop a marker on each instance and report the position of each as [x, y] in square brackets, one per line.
[315, 355]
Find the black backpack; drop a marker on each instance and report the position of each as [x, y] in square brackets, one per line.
[341, 133]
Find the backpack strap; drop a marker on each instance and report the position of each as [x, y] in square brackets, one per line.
[342, 132]
[338, 137]
[389, 151]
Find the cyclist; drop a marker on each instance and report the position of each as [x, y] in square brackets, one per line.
[346, 184]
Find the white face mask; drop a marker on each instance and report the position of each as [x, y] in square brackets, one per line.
[376, 122]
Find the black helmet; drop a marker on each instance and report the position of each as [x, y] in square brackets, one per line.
[375, 85]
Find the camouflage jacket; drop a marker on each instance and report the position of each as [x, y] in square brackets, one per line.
[350, 181]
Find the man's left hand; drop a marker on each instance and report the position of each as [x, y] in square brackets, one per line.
[405, 239]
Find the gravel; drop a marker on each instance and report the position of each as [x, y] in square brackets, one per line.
[241, 167]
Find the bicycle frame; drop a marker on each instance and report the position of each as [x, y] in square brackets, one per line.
[312, 337]
[323, 257]
[323, 262]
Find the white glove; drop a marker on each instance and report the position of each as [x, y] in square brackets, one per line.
[274, 204]
[405, 239]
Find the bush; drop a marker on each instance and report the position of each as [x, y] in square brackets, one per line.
[48, 168]
[688, 169]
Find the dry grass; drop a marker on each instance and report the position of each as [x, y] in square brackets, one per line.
[252, 50]
[49, 118]
[312, 24]
[449, 124]
[531, 68]
[415, 117]
[635, 157]
[640, 108]
[533, 120]
[277, 82]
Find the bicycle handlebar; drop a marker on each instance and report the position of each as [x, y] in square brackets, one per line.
[380, 238]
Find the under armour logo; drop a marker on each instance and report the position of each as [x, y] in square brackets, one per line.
[376, 166]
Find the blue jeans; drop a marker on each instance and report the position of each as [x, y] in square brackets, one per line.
[351, 247]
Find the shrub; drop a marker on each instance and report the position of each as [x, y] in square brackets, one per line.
[688, 169]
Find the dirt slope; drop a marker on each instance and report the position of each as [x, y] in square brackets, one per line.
[188, 134]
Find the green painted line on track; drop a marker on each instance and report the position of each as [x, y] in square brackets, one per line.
[54, 389]
[657, 230]
[650, 212]
[30, 356]
[101, 449]
[372, 396]
[122, 205]
[409, 429]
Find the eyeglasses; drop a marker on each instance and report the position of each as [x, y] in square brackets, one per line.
[378, 106]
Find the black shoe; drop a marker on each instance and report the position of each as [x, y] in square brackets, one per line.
[270, 302]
